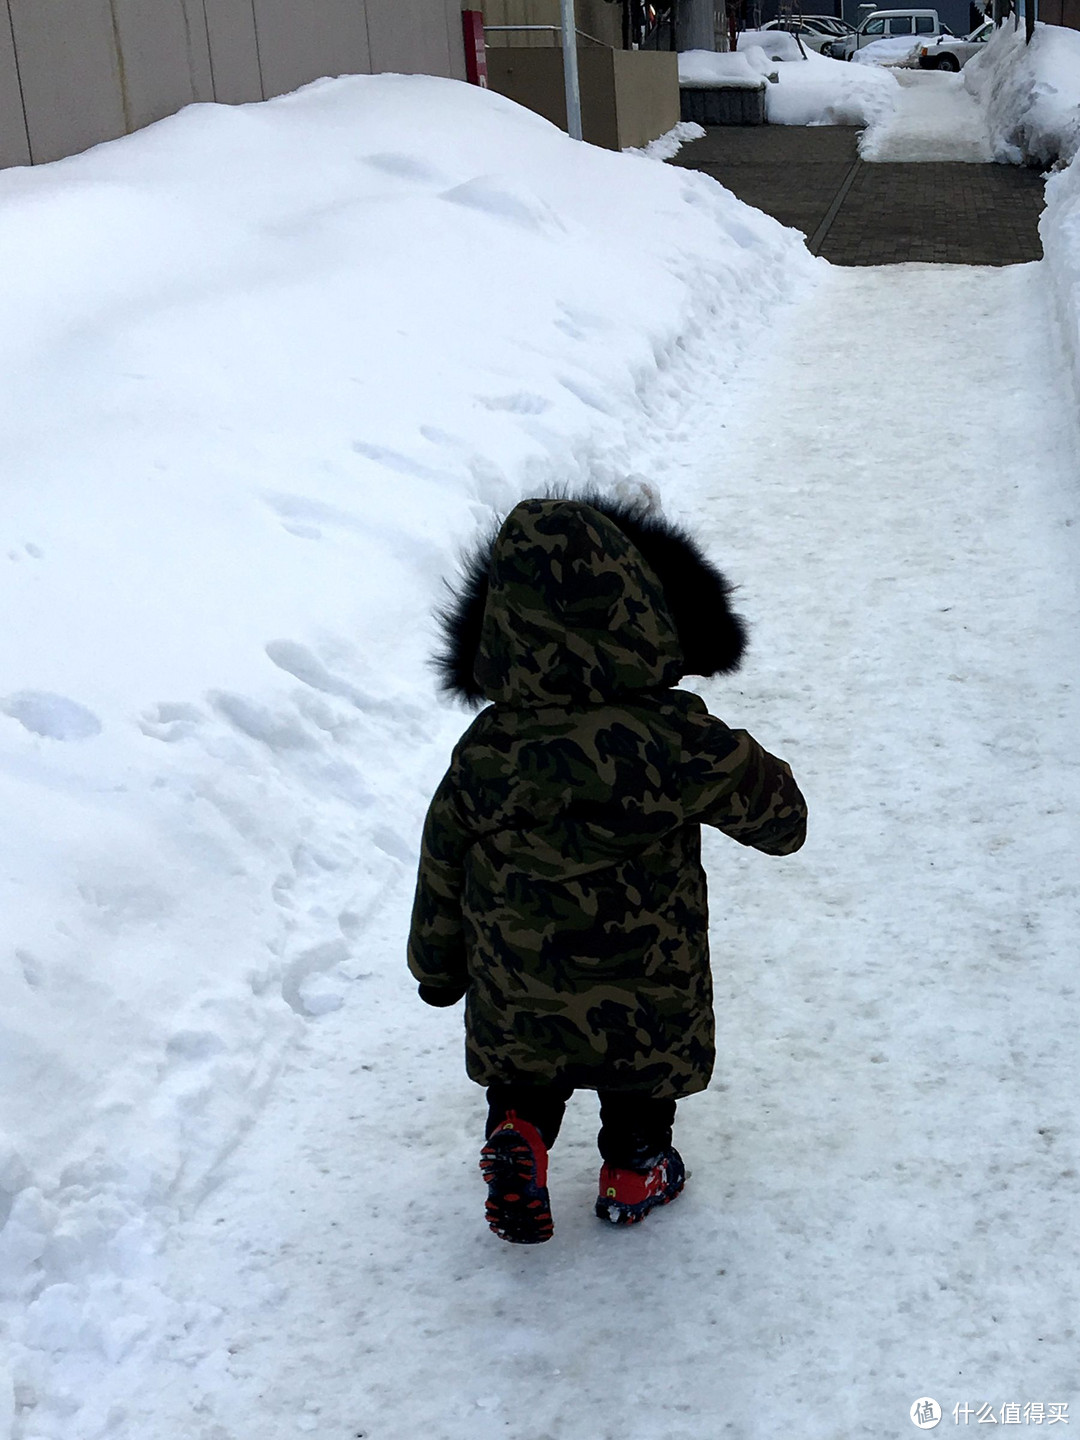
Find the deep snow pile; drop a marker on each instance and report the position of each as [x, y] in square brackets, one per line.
[266, 367]
[1059, 227]
[733, 69]
[808, 89]
[1031, 93]
[892, 51]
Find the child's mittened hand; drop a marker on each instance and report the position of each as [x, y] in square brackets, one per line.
[439, 997]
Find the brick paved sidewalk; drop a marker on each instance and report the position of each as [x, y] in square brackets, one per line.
[874, 214]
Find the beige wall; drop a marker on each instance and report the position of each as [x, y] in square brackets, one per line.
[76, 72]
[628, 97]
[594, 17]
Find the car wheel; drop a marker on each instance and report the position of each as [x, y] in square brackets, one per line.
[948, 62]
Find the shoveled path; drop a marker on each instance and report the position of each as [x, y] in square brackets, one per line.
[859, 213]
[884, 1189]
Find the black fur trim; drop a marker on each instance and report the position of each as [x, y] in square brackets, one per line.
[461, 619]
[711, 635]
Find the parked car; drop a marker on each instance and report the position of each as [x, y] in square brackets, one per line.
[952, 53]
[832, 23]
[887, 25]
[812, 37]
[827, 24]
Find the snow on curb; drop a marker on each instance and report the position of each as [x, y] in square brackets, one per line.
[1059, 227]
[271, 364]
[668, 145]
[808, 89]
[1031, 94]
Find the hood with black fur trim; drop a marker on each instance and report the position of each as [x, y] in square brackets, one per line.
[580, 600]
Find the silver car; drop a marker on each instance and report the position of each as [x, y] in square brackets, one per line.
[810, 31]
[888, 25]
[950, 52]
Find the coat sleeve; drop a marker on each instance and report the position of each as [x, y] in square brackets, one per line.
[735, 784]
[436, 941]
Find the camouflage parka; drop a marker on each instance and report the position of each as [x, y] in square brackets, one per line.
[560, 885]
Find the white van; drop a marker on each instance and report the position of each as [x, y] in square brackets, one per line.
[886, 25]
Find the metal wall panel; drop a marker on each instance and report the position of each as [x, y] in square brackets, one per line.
[410, 39]
[14, 143]
[154, 45]
[76, 72]
[70, 76]
[234, 51]
[198, 43]
[301, 40]
[456, 34]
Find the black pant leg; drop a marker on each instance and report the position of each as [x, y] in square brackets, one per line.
[542, 1105]
[634, 1129]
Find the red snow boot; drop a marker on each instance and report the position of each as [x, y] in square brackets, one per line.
[627, 1196]
[514, 1164]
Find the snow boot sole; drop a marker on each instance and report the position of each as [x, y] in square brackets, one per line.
[518, 1207]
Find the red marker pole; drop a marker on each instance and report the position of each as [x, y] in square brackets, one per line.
[475, 53]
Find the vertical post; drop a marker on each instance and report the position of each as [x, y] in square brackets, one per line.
[697, 26]
[570, 70]
[472, 22]
[1029, 20]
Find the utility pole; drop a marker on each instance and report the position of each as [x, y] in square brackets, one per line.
[697, 25]
[570, 70]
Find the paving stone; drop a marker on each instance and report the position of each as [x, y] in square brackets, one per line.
[890, 213]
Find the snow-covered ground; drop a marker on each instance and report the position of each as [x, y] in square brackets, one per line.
[805, 89]
[266, 368]
[884, 1184]
[273, 365]
[1031, 93]
[935, 119]
[896, 50]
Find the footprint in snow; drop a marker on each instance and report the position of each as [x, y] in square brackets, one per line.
[527, 211]
[520, 403]
[397, 461]
[587, 395]
[53, 716]
[171, 721]
[302, 516]
[278, 732]
[405, 167]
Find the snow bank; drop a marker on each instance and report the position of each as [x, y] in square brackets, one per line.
[1031, 93]
[668, 145]
[735, 69]
[1059, 226]
[267, 366]
[808, 88]
[823, 91]
[896, 50]
[776, 44]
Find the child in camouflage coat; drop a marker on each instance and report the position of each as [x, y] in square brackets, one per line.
[560, 887]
